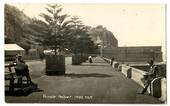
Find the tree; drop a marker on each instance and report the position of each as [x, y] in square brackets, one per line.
[15, 27]
[56, 28]
[8, 40]
[82, 42]
[77, 27]
[26, 46]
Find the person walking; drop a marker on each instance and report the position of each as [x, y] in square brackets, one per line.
[111, 63]
[90, 59]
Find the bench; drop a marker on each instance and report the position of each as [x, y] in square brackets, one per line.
[10, 75]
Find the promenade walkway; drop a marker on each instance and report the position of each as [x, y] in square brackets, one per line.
[87, 83]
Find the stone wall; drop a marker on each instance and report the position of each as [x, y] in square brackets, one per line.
[145, 67]
[163, 90]
[134, 54]
[158, 85]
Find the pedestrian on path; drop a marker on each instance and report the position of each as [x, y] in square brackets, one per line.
[152, 74]
[111, 63]
[90, 59]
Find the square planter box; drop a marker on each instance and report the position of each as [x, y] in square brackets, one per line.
[55, 64]
[76, 60]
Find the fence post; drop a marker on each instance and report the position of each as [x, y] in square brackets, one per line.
[129, 73]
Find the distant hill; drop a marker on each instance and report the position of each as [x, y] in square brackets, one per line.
[102, 36]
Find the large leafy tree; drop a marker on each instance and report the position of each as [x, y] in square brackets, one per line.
[12, 23]
[15, 26]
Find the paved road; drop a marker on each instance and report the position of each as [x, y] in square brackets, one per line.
[87, 83]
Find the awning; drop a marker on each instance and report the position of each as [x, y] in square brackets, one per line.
[13, 47]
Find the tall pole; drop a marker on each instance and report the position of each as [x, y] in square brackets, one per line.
[102, 47]
[101, 50]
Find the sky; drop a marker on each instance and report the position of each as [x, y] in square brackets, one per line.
[132, 24]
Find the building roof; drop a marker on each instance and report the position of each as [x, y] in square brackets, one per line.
[13, 47]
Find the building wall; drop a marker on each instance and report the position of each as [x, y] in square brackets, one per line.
[10, 55]
[134, 54]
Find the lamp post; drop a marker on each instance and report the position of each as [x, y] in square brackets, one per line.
[101, 52]
[100, 45]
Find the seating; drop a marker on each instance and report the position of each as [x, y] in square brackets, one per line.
[15, 80]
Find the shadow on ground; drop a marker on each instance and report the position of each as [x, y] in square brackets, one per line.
[37, 74]
[99, 65]
[23, 92]
[97, 75]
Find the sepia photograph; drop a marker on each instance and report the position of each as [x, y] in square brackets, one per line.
[90, 53]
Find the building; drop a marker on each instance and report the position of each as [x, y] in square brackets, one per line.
[11, 50]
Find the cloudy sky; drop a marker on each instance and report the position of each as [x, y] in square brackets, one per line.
[132, 24]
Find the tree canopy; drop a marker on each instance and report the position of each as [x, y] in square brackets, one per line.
[15, 26]
[56, 30]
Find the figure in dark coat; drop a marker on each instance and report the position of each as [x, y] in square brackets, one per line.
[21, 69]
[111, 63]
